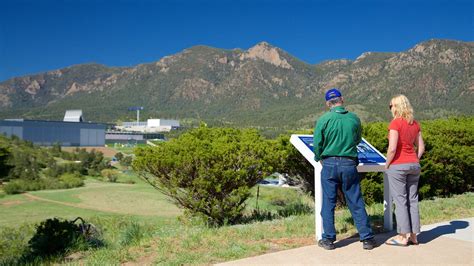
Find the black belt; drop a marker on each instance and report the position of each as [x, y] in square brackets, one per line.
[342, 157]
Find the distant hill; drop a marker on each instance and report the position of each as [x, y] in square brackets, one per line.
[261, 86]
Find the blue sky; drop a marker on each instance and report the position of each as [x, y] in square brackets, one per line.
[42, 35]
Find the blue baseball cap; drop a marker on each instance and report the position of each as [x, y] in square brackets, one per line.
[332, 93]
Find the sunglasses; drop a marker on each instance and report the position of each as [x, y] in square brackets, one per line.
[390, 107]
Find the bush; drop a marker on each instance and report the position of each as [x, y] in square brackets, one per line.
[71, 180]
[126, 161]
[372, 187]
[55, 170]
[14, 244]
[65, 181]
[207, 171]
[110, 175]
[119, 156]
[53, 237]
[19, 186]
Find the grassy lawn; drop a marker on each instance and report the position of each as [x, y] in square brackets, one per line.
[96, 198]
[187, 244]
[125, 148]
[140, 225]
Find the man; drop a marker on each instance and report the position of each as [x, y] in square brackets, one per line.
[336, 136]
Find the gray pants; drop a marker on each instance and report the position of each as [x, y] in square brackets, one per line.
[403, 181]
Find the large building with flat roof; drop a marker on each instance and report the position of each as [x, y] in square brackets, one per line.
[47, 133]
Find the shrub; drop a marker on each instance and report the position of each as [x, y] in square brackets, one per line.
[56, 170]
[207, 171]
[54, 236]
[71, 180]
[14, 244]
[126, 161]
[19, 186]
[372, 187]
[119, 156]
[65, 181]
[110, 175]
[13, 187]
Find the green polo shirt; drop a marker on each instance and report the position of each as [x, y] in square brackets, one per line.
[337, 133]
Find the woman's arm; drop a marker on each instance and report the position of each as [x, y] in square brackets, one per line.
[392, 146]
[420, 144]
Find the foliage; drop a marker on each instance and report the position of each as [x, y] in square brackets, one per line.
[4, 166]
[110, 175]
[207, 171]
[132, 233]
[54, 236]
[70, 180]
[126, 161]
[14, 244]
[447, 165]
[290, 162]
[28, 167]
[67, 180]
[119, 156]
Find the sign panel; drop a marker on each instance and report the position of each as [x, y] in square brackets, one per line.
[367, 153]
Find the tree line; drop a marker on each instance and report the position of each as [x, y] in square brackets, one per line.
[27, 167]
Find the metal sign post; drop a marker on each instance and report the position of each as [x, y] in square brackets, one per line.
[370, 160]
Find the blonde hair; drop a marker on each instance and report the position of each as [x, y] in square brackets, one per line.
[401, 108]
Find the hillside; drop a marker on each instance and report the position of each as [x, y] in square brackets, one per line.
[261, 86]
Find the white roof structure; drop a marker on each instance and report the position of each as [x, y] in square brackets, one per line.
[73, 116]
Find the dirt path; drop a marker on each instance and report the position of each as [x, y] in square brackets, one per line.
[80, 206]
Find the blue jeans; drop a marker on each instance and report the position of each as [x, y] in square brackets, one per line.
[342, 171]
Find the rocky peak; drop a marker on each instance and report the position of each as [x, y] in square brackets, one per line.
[267, 53]
[362, 56]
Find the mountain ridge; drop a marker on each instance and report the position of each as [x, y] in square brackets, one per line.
[251, 87]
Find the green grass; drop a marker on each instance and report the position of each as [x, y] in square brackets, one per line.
[96, 198]
[180, 244]
[127, 149]
[140, 225]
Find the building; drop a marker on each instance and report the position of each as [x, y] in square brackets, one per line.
[73, 116]
[70, 132]
[152, 125]
[125, 137]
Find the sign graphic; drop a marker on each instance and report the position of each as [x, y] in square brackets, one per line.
[367, 153]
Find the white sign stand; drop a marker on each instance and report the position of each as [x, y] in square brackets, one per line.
[370, 160]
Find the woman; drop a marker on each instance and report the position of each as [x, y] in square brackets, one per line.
[405, 148]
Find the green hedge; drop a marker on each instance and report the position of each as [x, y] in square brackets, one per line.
[64, 181]
[448, 162]
[447, 165]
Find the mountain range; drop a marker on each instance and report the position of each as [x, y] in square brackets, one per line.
[262, 86]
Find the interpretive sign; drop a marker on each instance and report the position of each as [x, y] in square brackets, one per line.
[370, 160]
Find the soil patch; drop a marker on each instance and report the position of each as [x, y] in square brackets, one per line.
[108, 152]
[11, 203]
